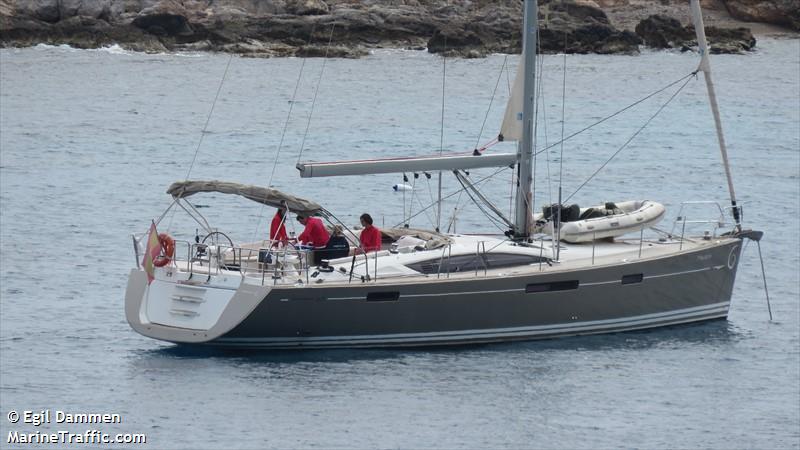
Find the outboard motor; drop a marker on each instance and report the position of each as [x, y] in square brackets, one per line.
[569, 213]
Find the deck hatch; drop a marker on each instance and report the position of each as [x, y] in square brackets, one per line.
[383, 296]
[633, 278]
[552, 286]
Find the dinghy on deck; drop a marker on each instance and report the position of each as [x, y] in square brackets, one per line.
[600, 222]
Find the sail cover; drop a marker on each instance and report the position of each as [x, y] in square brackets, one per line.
[511, 130]
[432, 239]
[266, 196]
[406, 164]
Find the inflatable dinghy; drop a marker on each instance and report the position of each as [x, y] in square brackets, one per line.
[600, 222]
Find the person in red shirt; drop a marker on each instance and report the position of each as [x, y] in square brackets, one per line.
[370, 236]
[277, 229]
[314, 235]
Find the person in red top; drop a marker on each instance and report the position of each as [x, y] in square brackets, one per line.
[277, 229]
[314, 234]
[370, 236]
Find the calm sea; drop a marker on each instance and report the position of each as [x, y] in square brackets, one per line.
[90, 140]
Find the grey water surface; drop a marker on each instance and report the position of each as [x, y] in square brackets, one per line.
[90, 140]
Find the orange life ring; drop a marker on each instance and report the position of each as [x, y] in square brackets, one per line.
[167, 250]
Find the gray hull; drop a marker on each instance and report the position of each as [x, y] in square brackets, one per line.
[684, 288]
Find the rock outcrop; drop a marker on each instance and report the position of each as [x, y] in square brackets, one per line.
[564, 25]
[777, 12]
[343, 28]
[660, 31]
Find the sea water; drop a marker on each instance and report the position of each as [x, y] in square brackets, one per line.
[90, 140]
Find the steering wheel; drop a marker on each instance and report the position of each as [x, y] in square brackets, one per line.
[215, 238]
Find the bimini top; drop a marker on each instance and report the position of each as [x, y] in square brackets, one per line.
[266, 196]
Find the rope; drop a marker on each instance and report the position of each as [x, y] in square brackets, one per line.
[411, 201]
[661, 108]
[316, 91]
[427, 215]
[456, 192]
[618, 112]
[493, 219]
[456, 209]
[428, 182]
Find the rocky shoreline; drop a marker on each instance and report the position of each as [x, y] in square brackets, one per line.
[350, 28]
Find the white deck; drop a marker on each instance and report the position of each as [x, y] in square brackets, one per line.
[392, 268]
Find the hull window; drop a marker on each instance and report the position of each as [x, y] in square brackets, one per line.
[631, 279]
[383, 296]
[552, 286]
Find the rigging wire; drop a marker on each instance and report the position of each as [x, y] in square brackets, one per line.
[546, 154]
[536, 98]
[208, 119]
[563, 109]
[316, 91]
[289, 114]
[441, 135]
[427, 215]
[419, 201]
[637, 102]
[544, 114]
[491, 100]
[444, 78]
[661, 108]
[478, 148]
[283, 132]
[557, 232]
[205, 129]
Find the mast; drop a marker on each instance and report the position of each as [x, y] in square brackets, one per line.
[522, 215]
[705, 67]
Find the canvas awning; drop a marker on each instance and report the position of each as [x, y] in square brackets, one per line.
[266, 196]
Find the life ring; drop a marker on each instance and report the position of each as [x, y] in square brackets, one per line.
[167, 250]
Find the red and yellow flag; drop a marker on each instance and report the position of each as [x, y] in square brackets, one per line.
[151, 252]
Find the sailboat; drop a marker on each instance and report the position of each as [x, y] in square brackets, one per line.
[429, 288]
